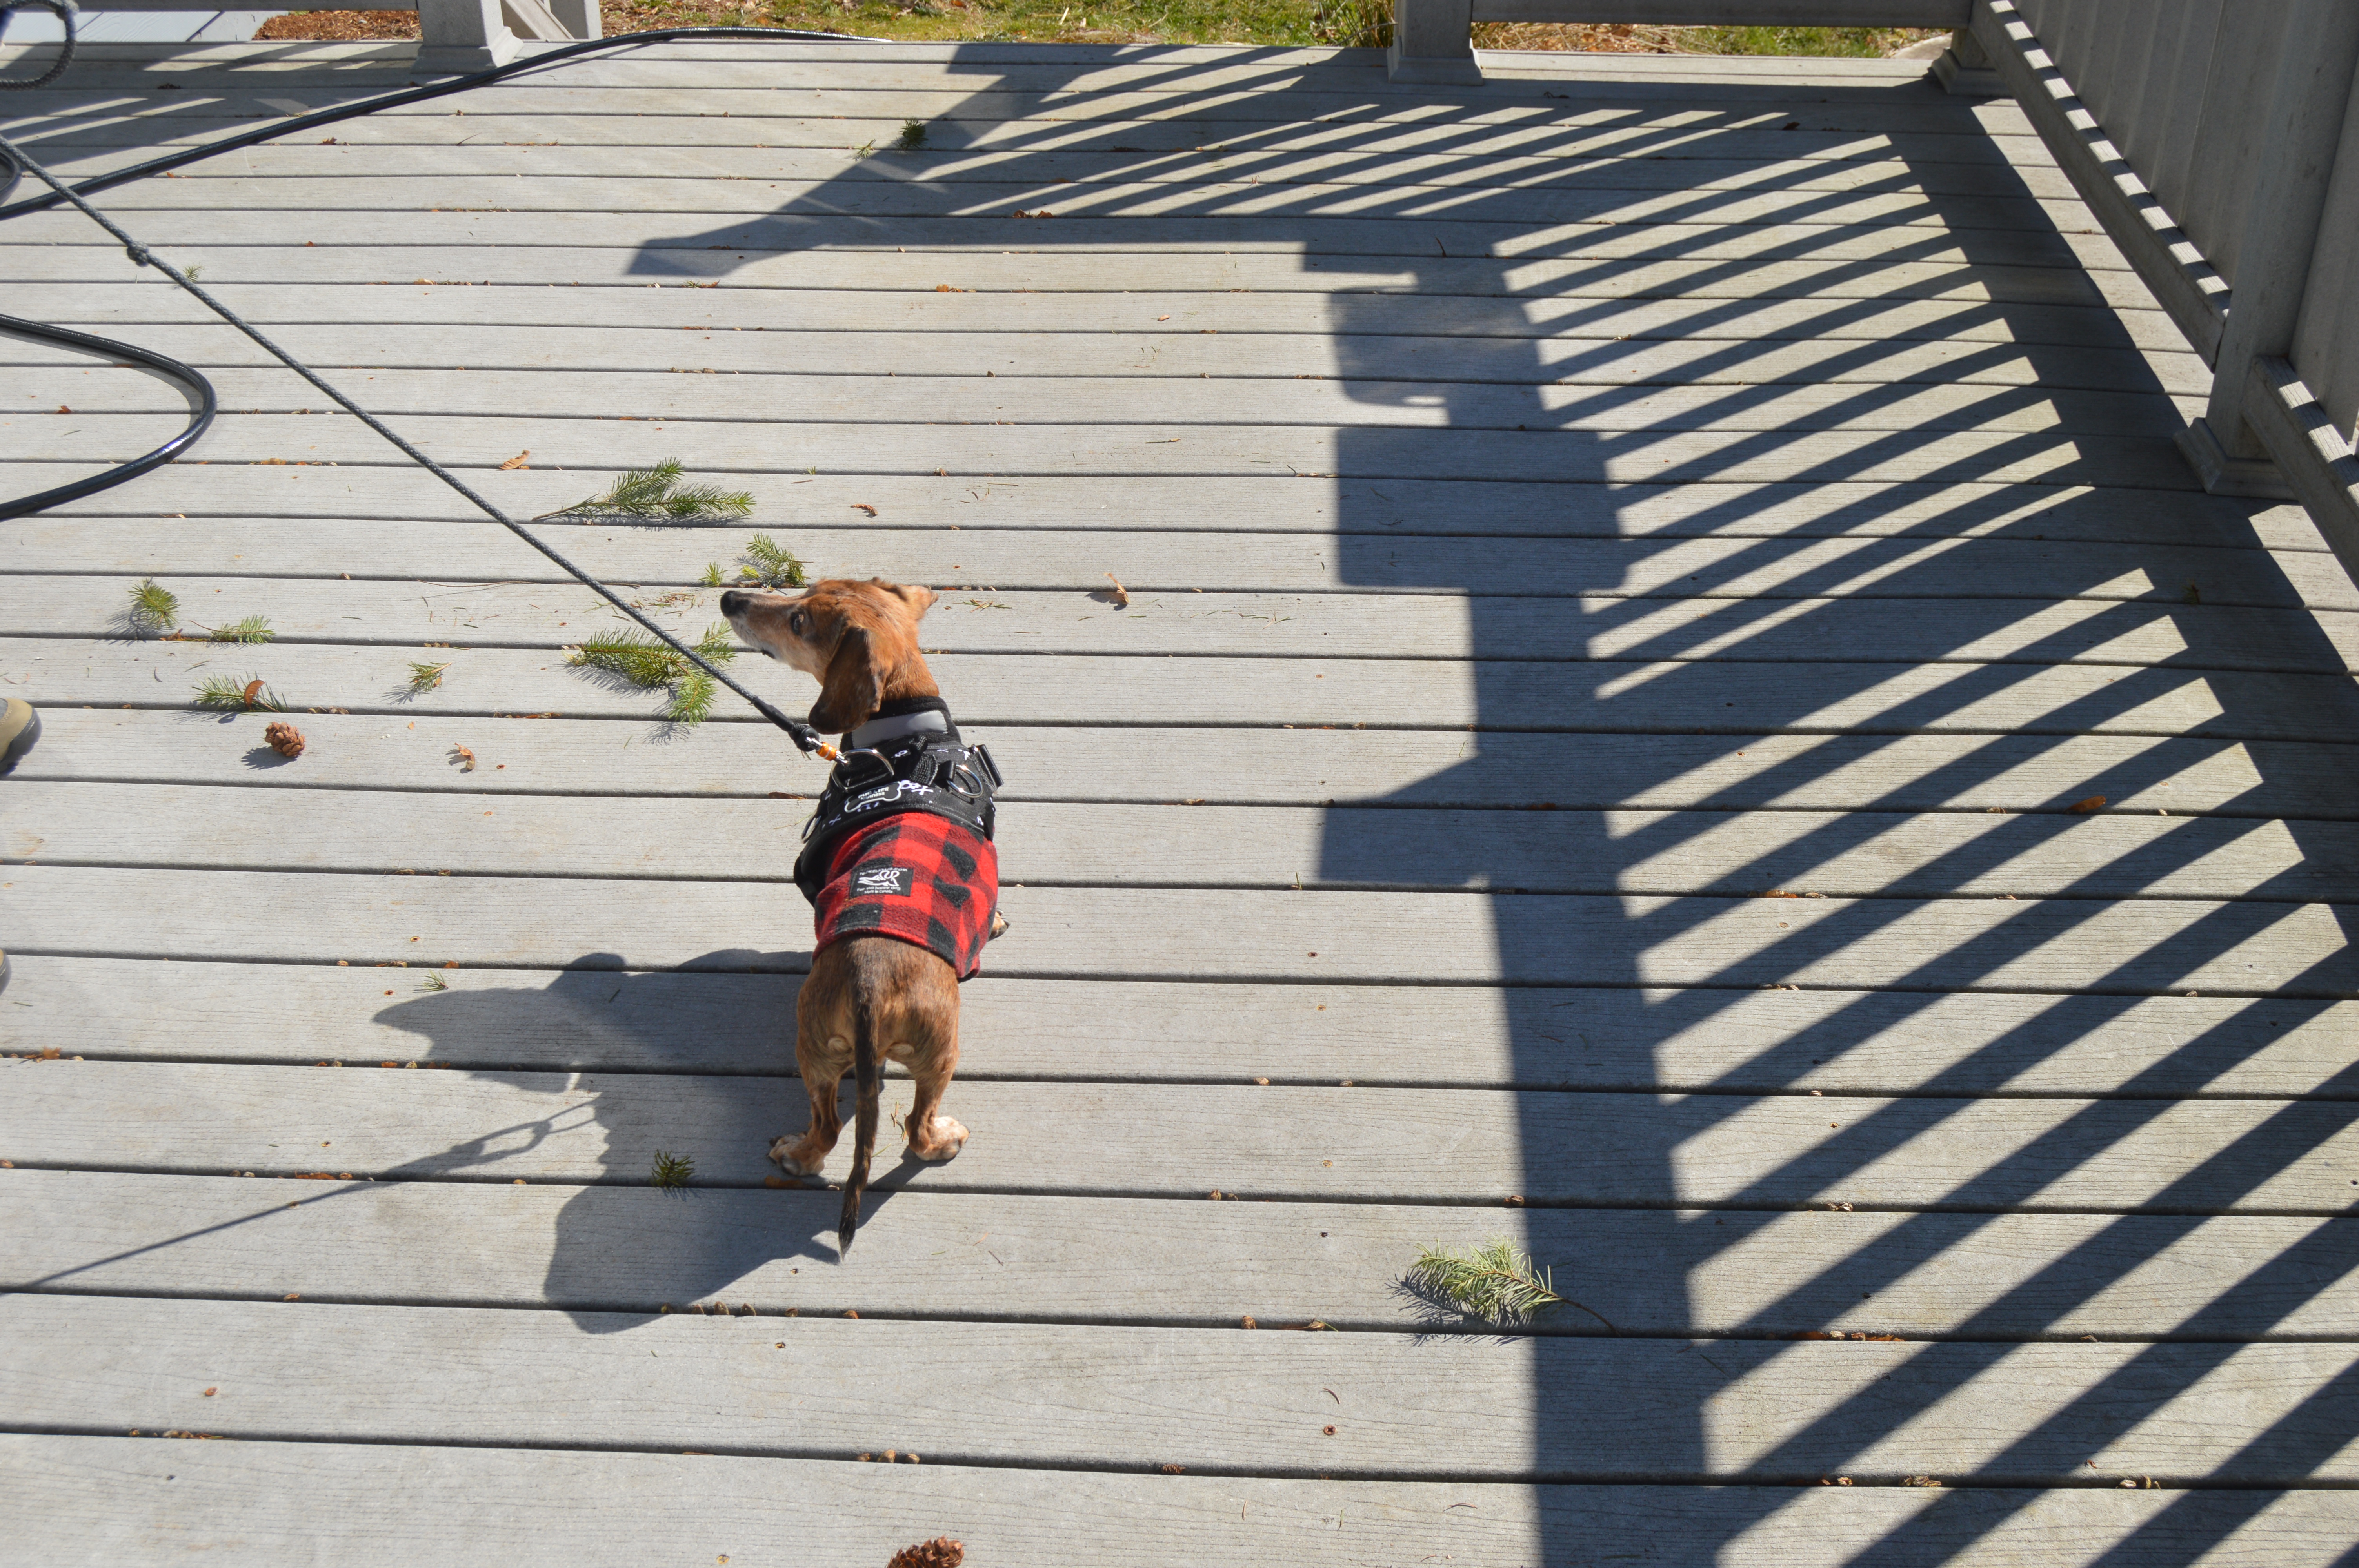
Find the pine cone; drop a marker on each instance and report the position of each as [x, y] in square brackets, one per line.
[285, 739]
[939, 1552]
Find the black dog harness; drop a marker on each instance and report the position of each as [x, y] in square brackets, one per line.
[908, 758]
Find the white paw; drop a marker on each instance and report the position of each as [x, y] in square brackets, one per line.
[949, 1139]
[782, 1150]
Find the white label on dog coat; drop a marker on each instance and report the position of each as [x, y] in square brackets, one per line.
[871, 880]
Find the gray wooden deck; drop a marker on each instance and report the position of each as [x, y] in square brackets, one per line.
[1561, 515]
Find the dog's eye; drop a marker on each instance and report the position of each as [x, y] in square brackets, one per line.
[795, 622]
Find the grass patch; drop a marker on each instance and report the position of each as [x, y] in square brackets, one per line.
[1346, 23]
[1855, 43]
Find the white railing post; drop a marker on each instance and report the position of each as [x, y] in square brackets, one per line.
[1965, 68]
[1429, 42]
[2297, 148]
[459, 36]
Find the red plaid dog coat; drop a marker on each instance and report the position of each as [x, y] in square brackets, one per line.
[918, 877]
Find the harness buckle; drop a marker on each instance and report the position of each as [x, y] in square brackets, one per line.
[847, 777]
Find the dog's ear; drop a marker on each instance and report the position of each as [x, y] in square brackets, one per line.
[851, 689]
[919, 600]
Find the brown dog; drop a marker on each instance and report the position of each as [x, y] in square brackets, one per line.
[883, 995]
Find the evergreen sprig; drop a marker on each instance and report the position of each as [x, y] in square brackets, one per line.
[672, 1173]
[912, 136]
[657, 492]
[238, 696]
[770, 564]
[253, 629]
[692, 698]
[643, 661]
[153, 607]
[424, 677]
[1493, 1282]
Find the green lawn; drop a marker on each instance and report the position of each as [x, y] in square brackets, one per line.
[1366, 23]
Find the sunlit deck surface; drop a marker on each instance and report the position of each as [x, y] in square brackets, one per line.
[1676, 706]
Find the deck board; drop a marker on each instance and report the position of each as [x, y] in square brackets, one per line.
[1669, 697]
[1853, 854]
[730, 1022]
[1766, 464]
[1397, 625]
[111, 1497]
[1652, 1273]
[1140, 1398]
[1458, 1147]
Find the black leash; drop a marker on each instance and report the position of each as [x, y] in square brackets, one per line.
[803, 734]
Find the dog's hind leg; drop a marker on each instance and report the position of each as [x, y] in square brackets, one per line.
[929, 1029]
[822, 1055]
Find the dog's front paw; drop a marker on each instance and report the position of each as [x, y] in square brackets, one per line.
[796, 1160]
[942, 1140]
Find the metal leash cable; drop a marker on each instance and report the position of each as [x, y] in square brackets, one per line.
[803, 734]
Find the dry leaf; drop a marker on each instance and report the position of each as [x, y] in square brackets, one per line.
[1121, 594]
[464, 758]
[2089, 805]
[517, 462]
[253, 690]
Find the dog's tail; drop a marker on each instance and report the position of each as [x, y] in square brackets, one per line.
[864, 1130]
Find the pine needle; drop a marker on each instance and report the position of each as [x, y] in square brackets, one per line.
[253, 629]
[712, 574]
[771, 564]
[659, 493]
[153, 607]
[636, 656]
[1493, 1282]
[426, 677]
[692, 698]
[238, 696]
[913, 135]
[435, 983]
[672, 1172]
[643, 661]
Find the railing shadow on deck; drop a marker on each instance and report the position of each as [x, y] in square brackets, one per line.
[1542, 706]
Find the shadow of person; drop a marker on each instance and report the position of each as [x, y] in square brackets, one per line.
[612, 1067]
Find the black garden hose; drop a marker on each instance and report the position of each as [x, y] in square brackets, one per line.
[64, 338]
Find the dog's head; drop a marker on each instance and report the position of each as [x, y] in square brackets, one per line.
[858, 640]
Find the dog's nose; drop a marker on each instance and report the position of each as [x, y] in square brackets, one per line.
[732, 602]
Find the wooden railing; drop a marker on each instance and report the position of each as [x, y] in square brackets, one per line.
[455, 35]
[2216, 140]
